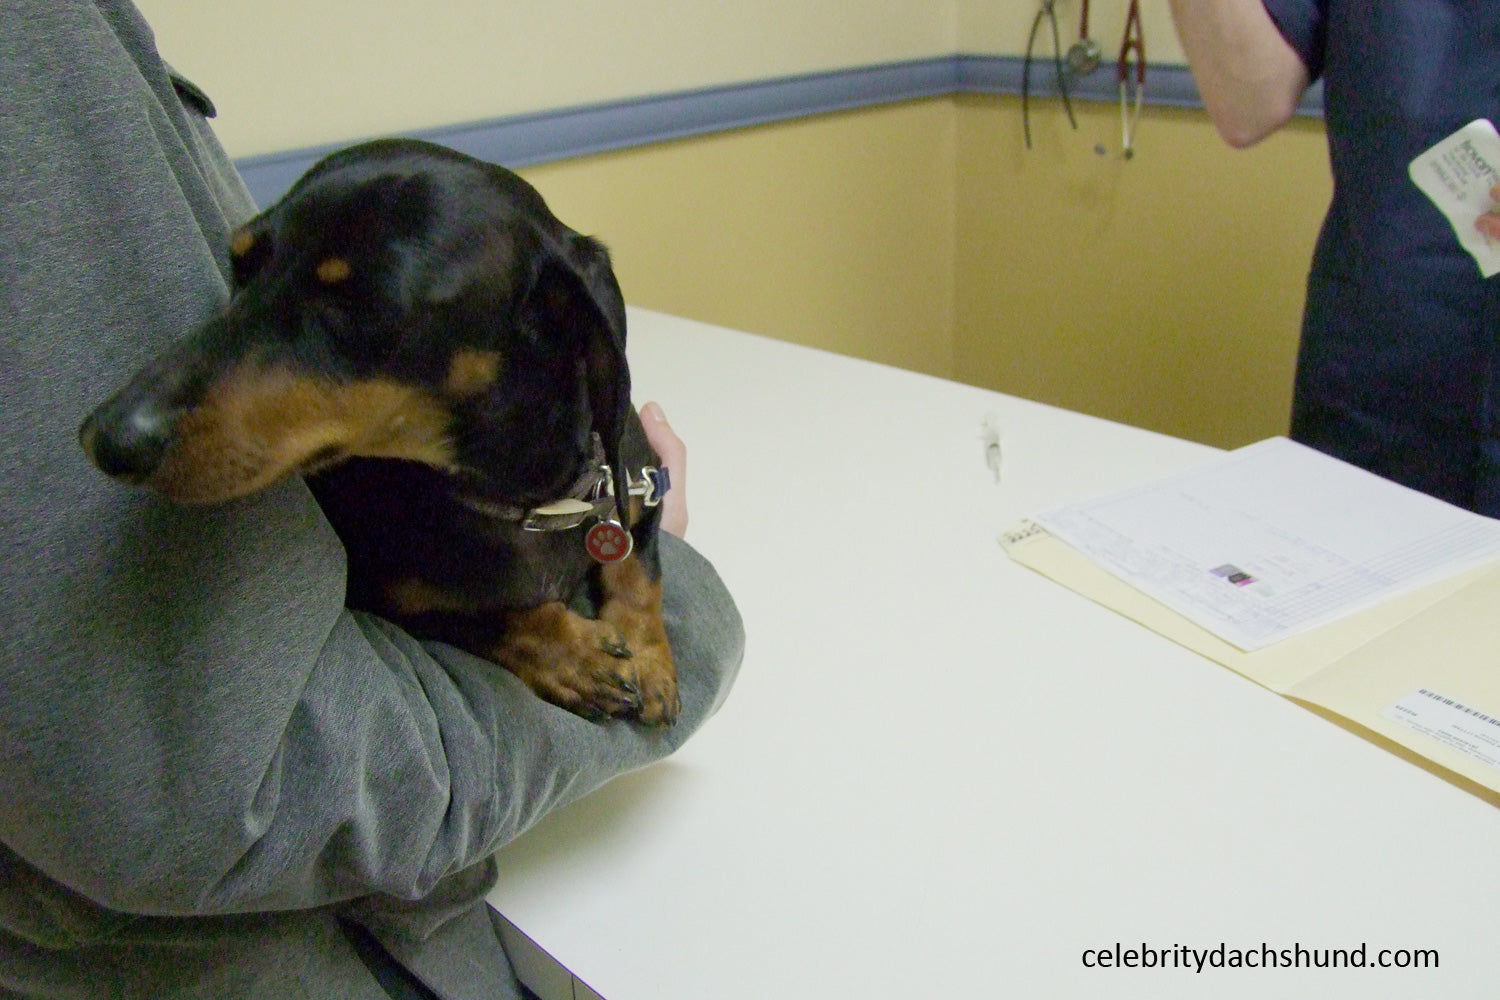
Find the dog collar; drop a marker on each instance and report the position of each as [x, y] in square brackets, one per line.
[590, 500]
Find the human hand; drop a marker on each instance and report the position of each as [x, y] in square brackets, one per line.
[1489, 222]
[674, 514]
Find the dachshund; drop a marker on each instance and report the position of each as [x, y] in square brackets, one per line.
[413, 331]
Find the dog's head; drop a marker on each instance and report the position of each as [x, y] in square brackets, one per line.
[401, 301]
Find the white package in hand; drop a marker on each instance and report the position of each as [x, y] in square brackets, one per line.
[1457, 175]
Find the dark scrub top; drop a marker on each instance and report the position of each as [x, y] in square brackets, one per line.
[1398, 363]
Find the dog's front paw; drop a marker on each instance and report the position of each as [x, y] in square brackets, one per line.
[580, 664]
[632, 603]
[656, 681]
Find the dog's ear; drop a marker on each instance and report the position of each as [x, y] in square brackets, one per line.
[584, 298]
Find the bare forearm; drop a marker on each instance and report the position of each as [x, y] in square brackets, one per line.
[1249, 77]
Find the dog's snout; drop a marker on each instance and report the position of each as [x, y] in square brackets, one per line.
[127, 442]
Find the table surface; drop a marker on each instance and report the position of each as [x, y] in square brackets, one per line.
[942, 775]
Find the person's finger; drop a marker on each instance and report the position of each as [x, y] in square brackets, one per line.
[673, 452]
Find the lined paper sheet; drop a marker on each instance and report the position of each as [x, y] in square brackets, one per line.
[1274, 539]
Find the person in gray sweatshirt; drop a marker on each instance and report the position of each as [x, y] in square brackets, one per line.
[215, 780]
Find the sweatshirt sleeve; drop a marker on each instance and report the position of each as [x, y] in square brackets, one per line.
[191, 721]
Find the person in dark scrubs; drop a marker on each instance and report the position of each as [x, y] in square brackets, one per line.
[1398, 363]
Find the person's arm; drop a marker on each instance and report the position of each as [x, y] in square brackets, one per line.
[1249, 75]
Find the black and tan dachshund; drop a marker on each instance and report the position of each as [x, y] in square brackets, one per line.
[414, 331]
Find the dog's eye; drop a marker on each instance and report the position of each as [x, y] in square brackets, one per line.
[248, 252]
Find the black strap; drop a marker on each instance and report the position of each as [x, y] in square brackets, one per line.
[393, 977]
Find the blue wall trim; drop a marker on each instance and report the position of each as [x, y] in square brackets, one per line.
[529, 139]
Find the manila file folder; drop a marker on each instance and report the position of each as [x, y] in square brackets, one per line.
[1418, 674]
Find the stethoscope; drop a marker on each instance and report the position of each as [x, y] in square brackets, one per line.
[1084, 56]
[1132, 92]
[1046, 10]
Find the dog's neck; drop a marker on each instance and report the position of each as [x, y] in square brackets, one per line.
[591, 497]
[589, 494]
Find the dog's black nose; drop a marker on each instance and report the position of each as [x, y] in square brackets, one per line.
[127, 444]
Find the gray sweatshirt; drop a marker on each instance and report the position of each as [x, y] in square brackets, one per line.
[205, 759]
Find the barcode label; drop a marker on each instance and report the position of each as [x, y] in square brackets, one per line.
[1021, 532]
[1450, 722]
[1460, 707]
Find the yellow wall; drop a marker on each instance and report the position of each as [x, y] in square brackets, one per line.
[834, 231]
[1164, 292]
[1003, 26]
[294, 73]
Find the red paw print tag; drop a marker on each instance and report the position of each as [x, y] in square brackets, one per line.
[608, 542]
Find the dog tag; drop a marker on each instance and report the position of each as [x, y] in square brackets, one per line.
[608, 542]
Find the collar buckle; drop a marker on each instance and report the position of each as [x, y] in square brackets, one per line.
[592, 498]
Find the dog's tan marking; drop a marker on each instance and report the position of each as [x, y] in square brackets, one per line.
[575, 662]
[471, 372]
[633, 604]
[244, 242]
[617, 665]
[258, 424]
[632, 600]
[334, 270]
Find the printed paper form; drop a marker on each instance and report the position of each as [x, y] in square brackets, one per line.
[1274, 539]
